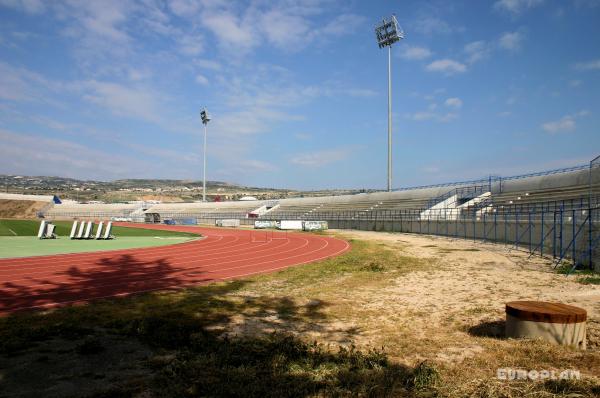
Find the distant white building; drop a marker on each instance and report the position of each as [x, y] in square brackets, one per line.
[247, 198]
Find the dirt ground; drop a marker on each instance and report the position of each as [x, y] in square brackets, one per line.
[450, 312]
[20, 208]
[478, 275]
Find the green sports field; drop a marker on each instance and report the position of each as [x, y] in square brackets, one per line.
[18, 238]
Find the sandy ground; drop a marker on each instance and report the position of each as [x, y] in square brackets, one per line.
[487, 277]
[20, 208]
[448, 312]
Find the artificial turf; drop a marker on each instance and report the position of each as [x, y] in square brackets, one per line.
[63, 229]
[25, 246]
[18, 238]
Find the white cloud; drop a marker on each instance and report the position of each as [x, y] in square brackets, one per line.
[184, 8]
[583, 112]
[104, 20]
[284, 30]
[431, 169]
[201, 80]
[303, 136]
[342, 24]
[511, 41]
[207, 64]
[448, 117]
[424, 116]
[574, 83]
[34, 155]
[191, 45]
[446, 66]
[136, 102]
[231, 31]
[516, 7]
[321, 158]
[454, 102]
[137, 74]
[565, 124]
[591, 65]
[477, 51]
[254, 165]
[416, 53]
[431, 25]
[29, 6]
[20, 84]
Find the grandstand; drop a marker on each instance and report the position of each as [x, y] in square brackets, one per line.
[96, 211]
[205, 210]
[555, 212]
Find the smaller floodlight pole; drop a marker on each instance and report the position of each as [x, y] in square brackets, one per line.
[205, 119]
[387, 34]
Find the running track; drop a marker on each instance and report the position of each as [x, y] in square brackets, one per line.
[48, 281]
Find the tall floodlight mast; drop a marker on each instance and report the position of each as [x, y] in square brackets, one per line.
[205, 119]
[387, 34]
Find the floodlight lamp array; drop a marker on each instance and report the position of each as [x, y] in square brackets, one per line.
[388, 32]
[204, 116]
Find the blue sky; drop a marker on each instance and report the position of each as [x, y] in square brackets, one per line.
[297, 89]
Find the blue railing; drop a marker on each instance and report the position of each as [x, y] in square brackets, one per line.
[491, 179]
[469, 192]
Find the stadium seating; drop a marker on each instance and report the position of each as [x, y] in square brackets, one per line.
[93, 210]
[213, 210]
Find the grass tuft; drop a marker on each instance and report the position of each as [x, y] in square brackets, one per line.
[425, 376]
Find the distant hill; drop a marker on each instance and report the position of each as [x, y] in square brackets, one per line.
[143, 189]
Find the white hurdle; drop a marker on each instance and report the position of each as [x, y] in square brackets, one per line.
[50, 231]
[108, 230]
[73, 230]
[81, 229]
[99, 230]
[42, 230]
[88, 230]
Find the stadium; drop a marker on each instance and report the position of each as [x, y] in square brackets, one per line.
[125, 274]
[546, 213]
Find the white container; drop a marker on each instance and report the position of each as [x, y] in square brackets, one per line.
[315, 225]
[265, 224]
[227, 223]
[291, 224]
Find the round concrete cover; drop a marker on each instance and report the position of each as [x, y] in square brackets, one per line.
[540, 311]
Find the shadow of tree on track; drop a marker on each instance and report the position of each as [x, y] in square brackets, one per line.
[109, 276]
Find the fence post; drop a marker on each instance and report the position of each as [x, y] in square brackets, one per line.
[542, 235]
[590, 240]
[574, 239]
[530, 231]
[554, 234]
[560, 233]
[517, 229]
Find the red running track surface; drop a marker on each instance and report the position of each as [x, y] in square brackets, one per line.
[49, 281]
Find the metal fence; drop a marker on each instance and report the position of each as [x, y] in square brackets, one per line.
[559, 232]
